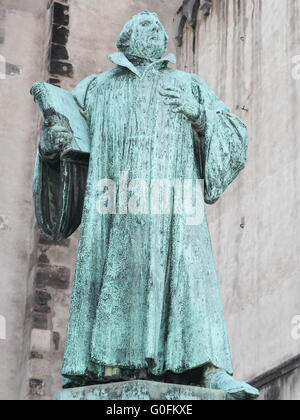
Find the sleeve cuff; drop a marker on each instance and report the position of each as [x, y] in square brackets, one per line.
[49, 157]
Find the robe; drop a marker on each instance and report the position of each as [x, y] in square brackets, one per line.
[146, 293]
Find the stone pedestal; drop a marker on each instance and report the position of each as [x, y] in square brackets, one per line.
[141, 390]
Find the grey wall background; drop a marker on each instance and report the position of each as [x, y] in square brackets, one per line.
[244, 51]
[247, 52]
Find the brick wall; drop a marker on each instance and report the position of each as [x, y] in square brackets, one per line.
[58, 57]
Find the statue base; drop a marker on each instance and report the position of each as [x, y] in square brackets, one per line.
[141, 390]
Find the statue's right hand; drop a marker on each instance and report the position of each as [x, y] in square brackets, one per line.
[57, 136]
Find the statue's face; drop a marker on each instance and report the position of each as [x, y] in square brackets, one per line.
[148, 39]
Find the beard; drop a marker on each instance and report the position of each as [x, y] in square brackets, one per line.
[149, 48]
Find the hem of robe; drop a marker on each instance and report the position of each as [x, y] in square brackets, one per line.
[89, 378]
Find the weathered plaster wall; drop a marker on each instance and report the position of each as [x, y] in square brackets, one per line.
[283, 388]
[22, 47]
[244, 51]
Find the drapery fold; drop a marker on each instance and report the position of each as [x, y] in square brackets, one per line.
[58, 191]
[225, 148]
[224, 142]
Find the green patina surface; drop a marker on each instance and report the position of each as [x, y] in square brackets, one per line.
[146, 293]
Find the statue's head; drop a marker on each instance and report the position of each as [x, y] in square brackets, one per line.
[143, 36]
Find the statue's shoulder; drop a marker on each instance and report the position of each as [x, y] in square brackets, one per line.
[94, 80]
[185, 76]
[178, 74]
[103, 77]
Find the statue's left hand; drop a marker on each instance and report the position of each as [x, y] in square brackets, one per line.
[57, 136]
[181, 102]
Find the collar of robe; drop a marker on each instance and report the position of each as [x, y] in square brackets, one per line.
[120, 59]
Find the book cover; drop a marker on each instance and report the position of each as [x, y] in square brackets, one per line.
[54, 100]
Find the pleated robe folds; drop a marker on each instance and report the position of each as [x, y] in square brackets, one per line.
[146, 293]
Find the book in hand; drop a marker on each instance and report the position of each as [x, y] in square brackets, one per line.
[53, 100]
